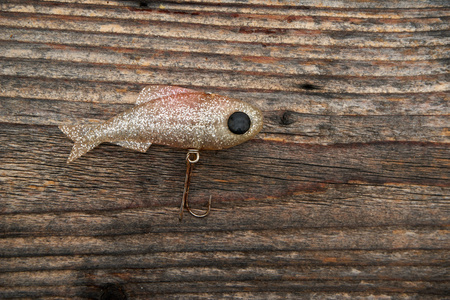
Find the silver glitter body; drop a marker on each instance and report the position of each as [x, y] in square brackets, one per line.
[171, 116]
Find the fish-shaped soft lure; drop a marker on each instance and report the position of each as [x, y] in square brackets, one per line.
[172, 116]
[175, 117]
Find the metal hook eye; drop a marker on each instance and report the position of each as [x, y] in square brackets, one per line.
[193, 152]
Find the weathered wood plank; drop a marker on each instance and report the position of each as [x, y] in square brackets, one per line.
[33, 94]
[290, 239]
[250, 65]
[295, 286]
[314, 102]
[349, 52]
[227, 33]
[305, 4]
[436, 275]
[244, 171]
[287, 295]
[143, 75]
[284, 125]
[308, 22]
[239, 291]
[342, 9]
[394, 207]
[332, 258]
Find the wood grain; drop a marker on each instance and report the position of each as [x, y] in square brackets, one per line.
[343, 195]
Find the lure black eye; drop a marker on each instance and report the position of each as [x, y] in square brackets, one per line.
[239, 123]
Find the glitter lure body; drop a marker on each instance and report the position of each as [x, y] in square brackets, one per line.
[172, 116]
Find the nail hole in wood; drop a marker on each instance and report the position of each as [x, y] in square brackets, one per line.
[288, 117]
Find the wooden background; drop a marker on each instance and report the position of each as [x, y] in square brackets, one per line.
[344, 194]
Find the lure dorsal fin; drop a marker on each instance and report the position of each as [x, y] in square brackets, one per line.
[153, 92]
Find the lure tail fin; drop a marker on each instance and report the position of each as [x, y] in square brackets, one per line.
[80, 135]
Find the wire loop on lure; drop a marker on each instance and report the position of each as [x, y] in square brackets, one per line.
[189, 167]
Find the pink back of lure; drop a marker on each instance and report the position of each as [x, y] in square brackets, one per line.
[172, 116]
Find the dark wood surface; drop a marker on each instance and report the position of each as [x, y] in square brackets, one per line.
[343, 195]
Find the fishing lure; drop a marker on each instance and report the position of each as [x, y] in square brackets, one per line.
[176, 117]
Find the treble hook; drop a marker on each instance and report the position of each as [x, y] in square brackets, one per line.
[189, 167]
